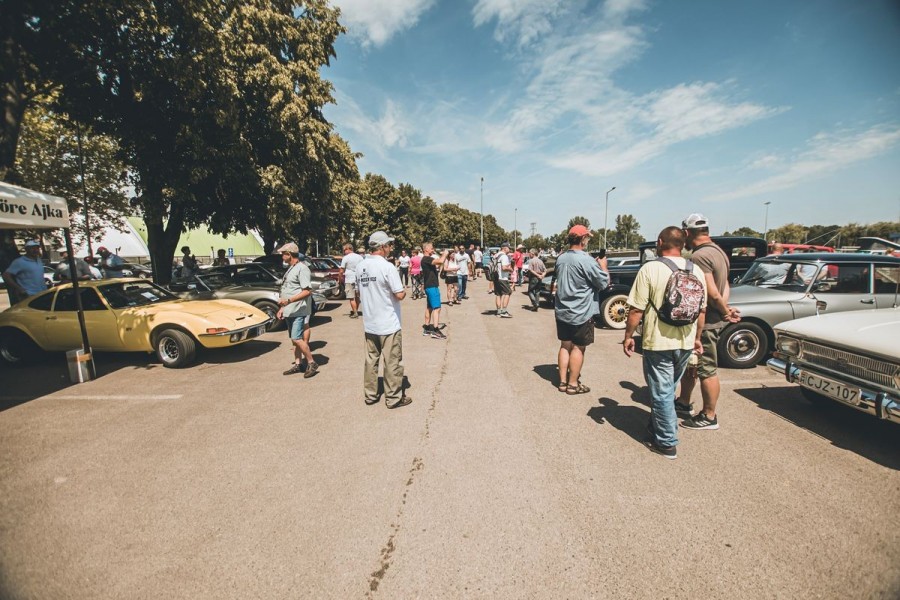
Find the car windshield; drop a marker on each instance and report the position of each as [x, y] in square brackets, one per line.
[127, 293]
[215, 281]
[783, 275]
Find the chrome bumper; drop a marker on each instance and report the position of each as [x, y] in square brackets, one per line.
[243, 332]
[878, 404]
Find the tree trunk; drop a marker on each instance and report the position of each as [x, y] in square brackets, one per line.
[161, 237]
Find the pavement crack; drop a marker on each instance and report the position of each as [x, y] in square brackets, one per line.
[387, 551]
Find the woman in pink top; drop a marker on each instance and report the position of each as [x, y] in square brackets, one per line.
[415, 270]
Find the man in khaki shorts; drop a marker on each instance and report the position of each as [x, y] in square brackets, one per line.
[714, 263]
[349, 263]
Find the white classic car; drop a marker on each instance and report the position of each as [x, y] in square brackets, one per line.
[852, 358]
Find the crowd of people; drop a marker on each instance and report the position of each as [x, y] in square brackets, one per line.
[680, 305]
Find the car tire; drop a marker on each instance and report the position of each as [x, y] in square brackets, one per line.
[742, 346]
[175, 349]
[271, 310]
[17, 348]
[614, 311]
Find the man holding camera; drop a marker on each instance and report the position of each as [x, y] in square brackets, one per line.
[578, 278]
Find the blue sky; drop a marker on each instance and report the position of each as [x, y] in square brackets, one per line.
[693, 106]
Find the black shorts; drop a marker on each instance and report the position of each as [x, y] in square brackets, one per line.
[452, 279]
[501, 287]
[580, 335]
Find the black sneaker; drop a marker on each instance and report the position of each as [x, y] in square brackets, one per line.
[438, 335]
[700, 421]
[664, 451]
[426, 330]
[296, 368]
[684, 410]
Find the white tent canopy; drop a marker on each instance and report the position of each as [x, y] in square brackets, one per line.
[124, 243]
[21, 208]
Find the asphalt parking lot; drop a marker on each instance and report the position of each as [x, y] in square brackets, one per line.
[229, 480]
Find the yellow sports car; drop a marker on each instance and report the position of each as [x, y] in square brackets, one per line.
[126, 315]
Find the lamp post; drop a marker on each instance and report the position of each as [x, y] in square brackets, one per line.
[606, 216]
[515, 227]
[482, 214]
[766, 226]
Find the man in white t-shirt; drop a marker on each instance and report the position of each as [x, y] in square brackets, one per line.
[502, 291]
[403, 264]
[477, 257]
[381, 291]
[462, 259]
[348, 275]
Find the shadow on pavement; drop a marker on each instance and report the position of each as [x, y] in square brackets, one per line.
[222, 356]
[489, 312]
[319, 320]
[843, 426]
[639, 393]
[547, 372]
[24, 383]
[631, 420]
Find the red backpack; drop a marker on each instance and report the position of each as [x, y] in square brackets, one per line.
[684, 295]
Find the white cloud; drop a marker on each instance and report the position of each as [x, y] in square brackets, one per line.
[825, 154]
[374, 22]
[646, 126]
[373, 133]
[522, 20]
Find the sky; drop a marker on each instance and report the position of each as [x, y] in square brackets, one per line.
[696, 106]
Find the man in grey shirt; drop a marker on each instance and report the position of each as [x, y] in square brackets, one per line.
[296, 308]
[578, 278]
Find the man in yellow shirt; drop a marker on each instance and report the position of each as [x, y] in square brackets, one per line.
[666, 348]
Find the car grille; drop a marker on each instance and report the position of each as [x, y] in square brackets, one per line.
[868, 369]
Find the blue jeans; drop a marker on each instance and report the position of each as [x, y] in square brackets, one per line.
[462, 284]
[662, 370]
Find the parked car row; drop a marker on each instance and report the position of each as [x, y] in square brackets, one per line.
[218, 307]
[126, 315]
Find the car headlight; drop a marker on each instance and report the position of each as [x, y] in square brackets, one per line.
[788, 345]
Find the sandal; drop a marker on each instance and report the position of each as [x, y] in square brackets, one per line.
[562, 386]
[577, 389]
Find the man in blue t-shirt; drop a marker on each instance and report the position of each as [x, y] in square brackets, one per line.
[25, 275]
[578, 278]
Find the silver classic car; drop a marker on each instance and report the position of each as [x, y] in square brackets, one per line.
[781, 288]
[851, 358]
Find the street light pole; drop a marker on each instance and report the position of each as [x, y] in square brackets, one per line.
[766, 227]
[516, 228]
[482, 214]
[606, 216]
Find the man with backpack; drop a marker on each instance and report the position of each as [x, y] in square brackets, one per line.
[669, 294]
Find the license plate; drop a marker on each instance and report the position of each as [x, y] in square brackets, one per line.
[830, 388]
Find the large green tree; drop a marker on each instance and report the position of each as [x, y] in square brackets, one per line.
[50, 159]
[216, 105]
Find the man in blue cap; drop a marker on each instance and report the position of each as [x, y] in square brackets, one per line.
[25, 275]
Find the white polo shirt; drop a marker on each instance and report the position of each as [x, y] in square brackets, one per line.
[377, 281]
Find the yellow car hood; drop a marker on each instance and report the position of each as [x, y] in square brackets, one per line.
[232, 314]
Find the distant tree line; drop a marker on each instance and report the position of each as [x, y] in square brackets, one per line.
[836, 236]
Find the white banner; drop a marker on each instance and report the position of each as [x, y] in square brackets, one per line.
[22, 208]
